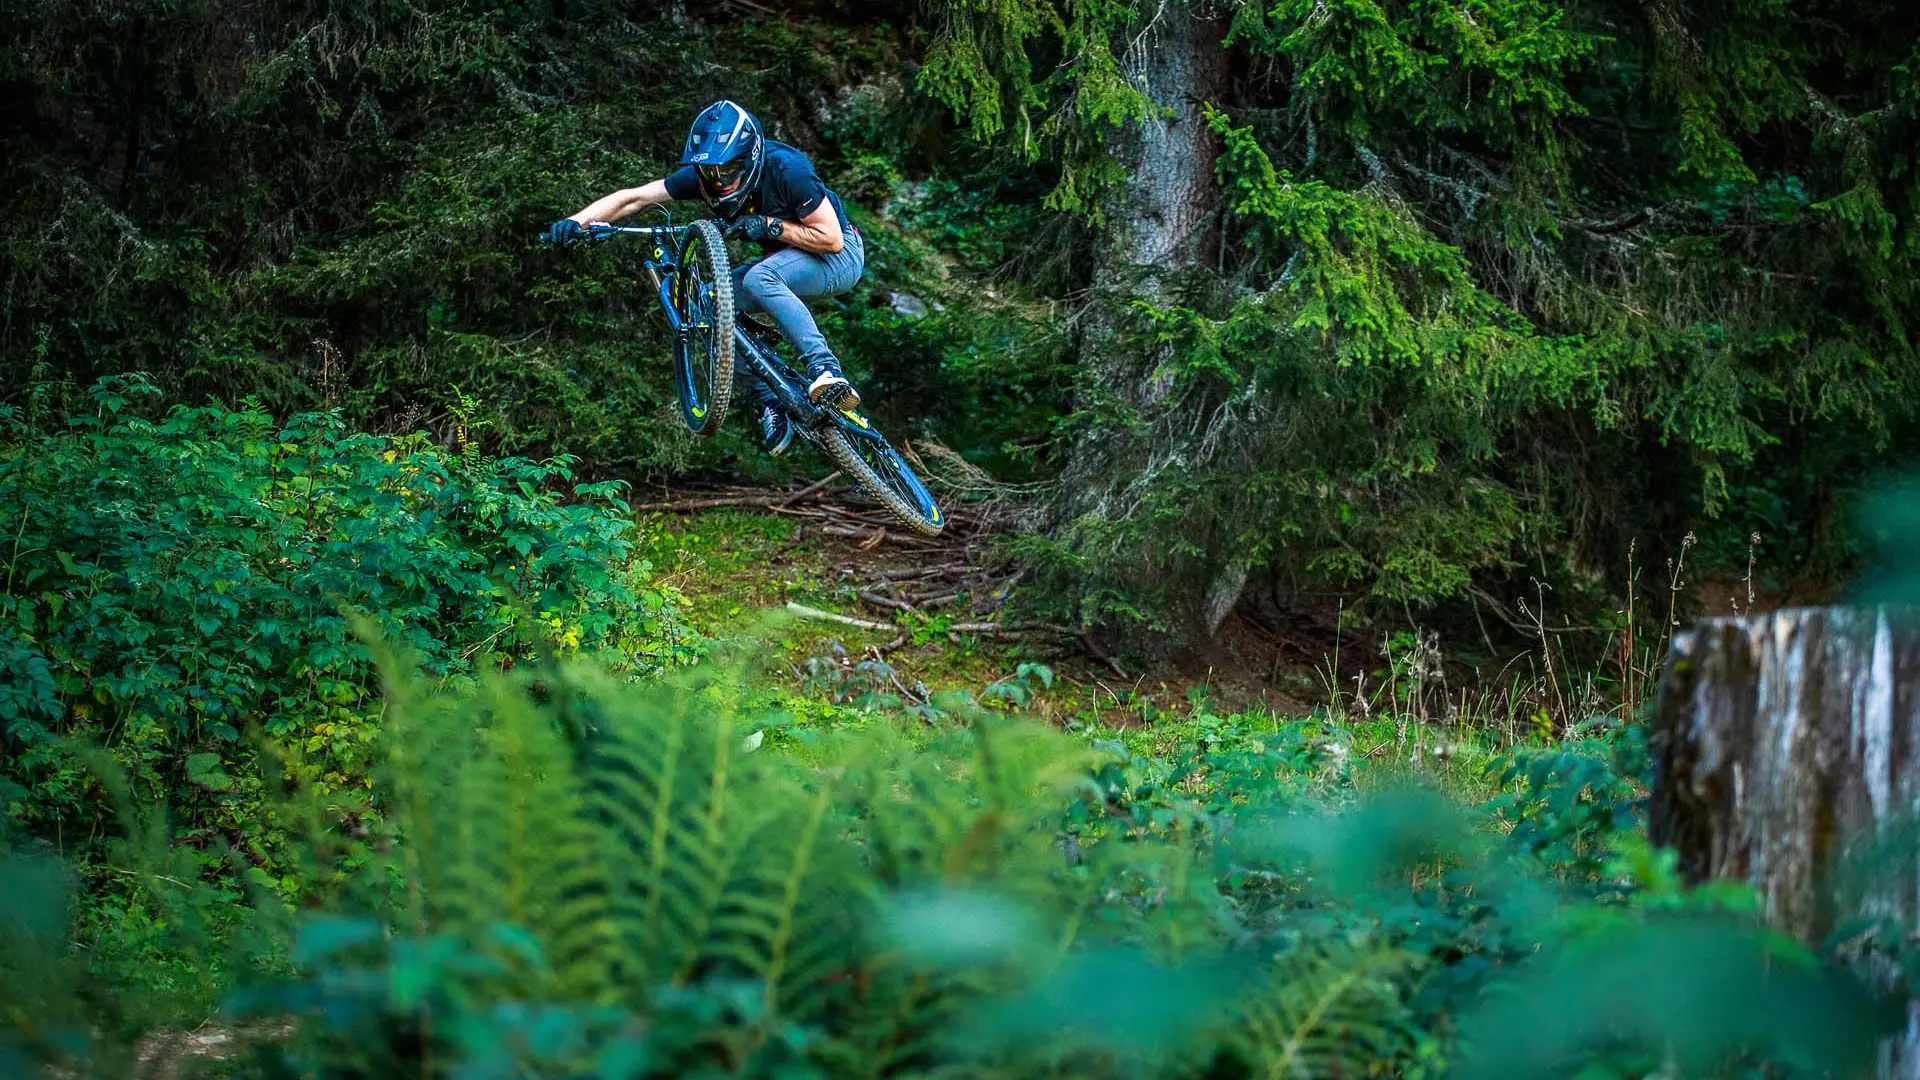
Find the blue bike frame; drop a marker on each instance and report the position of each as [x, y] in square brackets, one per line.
[788, 387]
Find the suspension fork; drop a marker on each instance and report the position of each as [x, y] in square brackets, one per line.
[663, 286]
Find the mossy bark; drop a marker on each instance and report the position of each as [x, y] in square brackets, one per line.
[1787, 755]
[1160, 223]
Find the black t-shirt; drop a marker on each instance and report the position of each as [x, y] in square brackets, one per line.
[789, 188]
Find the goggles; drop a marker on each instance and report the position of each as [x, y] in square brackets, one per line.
[720, 177]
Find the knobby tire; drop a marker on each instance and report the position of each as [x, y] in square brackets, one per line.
[716, 358]
[840, 447]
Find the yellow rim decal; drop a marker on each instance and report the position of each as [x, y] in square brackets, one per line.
[936, 515]
[698, 412]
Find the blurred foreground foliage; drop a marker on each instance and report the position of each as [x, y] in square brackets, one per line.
[561, 872]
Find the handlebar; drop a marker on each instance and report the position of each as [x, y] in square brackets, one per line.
[601, 230]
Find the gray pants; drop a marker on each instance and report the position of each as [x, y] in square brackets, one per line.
[779, 284]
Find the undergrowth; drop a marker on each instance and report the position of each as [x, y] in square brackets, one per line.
[550, 829]
[179, 584]
[559, 872]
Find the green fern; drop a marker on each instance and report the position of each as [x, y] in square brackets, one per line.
[721, 863]
[1329, 1011]
[485, 796]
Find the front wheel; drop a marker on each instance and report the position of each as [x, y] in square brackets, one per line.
[703, 351]
[878, 467]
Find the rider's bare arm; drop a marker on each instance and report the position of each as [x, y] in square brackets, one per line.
[626, 201]
[818, 232]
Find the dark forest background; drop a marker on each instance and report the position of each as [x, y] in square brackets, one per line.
[1396, 301]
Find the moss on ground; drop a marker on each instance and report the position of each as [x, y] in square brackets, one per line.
[737, 570]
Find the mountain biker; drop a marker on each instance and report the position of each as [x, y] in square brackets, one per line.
[771, 195]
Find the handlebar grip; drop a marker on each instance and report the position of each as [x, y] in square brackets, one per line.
[551, 235]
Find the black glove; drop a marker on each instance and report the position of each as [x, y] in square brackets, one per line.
[566, 232]
[758, 229]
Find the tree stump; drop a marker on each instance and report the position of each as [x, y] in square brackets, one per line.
[1783, 743]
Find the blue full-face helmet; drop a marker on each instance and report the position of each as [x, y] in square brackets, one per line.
[726, 149]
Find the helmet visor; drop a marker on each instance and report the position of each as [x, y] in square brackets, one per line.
[722, 178]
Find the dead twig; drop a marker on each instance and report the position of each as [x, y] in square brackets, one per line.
[809, 490]
[763, 500]
[880, 601]
[876, 652]
[806, 612]
[488, 640]
[1093, 648]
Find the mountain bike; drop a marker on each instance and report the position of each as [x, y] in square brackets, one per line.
[693, 280]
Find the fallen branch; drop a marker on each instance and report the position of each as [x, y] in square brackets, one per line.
[922, 571]
[806, 612]
[1093, 649]
[1006, 628]
[810, 489]
[880, 601]
[687, 506]
[762, 8]
[908, 542]
[864, 519]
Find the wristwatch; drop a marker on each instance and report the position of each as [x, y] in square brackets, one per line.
[775, 226]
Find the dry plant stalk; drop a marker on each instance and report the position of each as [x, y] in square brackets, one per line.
[1753, 541]
[1676, 581]
[1629, 683]
[1557, 698]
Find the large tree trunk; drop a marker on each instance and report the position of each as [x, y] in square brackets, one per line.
[1161, 222]
[1785, 743]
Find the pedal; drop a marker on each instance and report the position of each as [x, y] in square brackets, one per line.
[833, 393]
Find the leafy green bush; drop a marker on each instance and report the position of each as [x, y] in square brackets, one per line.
[1572, 804]
[173, 583]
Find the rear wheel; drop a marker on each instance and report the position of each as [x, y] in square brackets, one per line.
[878, 468]
[703, 354]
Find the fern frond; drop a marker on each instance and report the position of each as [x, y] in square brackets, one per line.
[1329, 1012]
[721, 863]
[497, 834]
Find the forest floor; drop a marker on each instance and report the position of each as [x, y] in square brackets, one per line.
[741, 571]
[814, 575]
